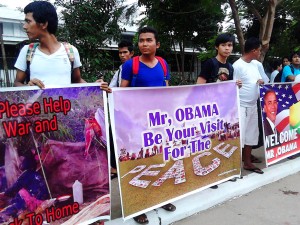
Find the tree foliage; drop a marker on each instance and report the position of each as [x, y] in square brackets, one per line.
[183, 24]
[91, 25]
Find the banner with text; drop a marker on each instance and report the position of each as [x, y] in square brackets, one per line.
[173, 141]
[281, 121]
[53, 162]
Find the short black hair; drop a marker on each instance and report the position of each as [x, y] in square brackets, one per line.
[276, 64]
[148, 29]
[284, 57]
[224, 38]
[43, 12]
[251, 44]
[126, 43]
[293, 54]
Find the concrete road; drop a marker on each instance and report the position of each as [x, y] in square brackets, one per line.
[277, 203]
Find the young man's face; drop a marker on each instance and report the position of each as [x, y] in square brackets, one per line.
[125, 54]
[31, 28]
[256, 53]
[147, 44]
[271, 106]
[225, 49]
[296, 60]
[286, 62]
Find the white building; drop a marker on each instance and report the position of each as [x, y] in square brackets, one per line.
[11, 21]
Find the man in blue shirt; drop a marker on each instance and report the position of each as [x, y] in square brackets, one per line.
[151, 72]
[290, 72]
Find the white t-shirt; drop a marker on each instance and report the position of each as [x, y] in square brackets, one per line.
[273, 75]
[297, 79]
[54, 69]
[249, 74]
[116, 78]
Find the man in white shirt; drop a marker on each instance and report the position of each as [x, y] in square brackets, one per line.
[247, 71]
[50, 64]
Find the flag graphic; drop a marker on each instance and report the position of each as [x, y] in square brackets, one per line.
[287, 95]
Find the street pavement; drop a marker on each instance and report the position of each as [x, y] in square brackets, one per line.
[277, 203]
[255, 199]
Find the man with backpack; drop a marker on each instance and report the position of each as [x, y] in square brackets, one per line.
[146, 70]
[217, 69]
[49, 62]
[290, 72]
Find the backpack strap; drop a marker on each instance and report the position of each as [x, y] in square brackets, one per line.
[136, 65]
[292, 69]
[29, 56]
[163, 65]
[70, 52]
[215, 70]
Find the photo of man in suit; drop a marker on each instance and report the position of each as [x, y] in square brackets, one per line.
[270, 108]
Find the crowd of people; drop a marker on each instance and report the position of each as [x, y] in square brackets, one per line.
[35, 66]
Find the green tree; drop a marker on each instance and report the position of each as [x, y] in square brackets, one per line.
[183, 24]
[263, 11]
[91, 25]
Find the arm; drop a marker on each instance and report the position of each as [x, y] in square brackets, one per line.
[291, 77]
[104, 86]
[126, 74]
[201, 80]
[20, 79]
[125, 83]
[76, 78]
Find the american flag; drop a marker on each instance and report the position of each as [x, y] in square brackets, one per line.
[287, 95]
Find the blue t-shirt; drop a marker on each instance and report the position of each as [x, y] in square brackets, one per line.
[146, 77]
[287, 72]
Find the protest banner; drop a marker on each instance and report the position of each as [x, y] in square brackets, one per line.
[54, 166]
[281, 121]
[171, 142]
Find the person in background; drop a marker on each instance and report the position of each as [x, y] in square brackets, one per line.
[125, 53]
[277, 67]
[285, 62]
[290, 72]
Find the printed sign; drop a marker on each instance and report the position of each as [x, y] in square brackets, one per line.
[173, 141]
[281, 121]
[54, 166]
